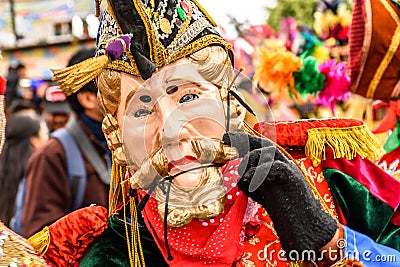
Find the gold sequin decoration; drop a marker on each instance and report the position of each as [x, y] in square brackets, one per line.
[16, 250]
[165, 26]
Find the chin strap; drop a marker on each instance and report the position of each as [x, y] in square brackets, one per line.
[169, 179]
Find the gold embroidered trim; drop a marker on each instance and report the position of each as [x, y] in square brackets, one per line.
[111, 12]
[181, 32]
[150, 31]
[182, 40]
[195, 46]
[123, 66]
[161, 54]
[394, 45]
[366, 42]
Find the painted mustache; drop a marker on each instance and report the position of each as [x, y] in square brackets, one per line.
[207, 151]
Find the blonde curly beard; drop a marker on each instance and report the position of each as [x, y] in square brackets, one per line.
[204, 201]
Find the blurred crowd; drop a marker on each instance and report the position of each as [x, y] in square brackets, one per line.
[43, 98]
[43, 128]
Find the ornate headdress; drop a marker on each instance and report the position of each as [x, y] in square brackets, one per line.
[139, 36]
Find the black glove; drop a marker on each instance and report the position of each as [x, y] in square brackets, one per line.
[271, 179]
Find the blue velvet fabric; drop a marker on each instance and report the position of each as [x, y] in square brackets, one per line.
[361, 247]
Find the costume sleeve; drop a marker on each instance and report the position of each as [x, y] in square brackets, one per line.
[370, 254]
[64, 242]
[368, 197]
[47, 191]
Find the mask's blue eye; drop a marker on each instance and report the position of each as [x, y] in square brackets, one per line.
[188, 98]
[142, 112]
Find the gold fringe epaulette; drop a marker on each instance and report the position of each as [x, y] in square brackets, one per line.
[345, 143]
[40, 241]
[73, 78]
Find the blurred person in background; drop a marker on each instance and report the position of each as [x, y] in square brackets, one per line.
[21, 106]
[52, 189]
[56, 108]
[16, 71]
[24, 134]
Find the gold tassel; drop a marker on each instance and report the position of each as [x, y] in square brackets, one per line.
[73, 78]
[40, 241]
[119, 187]
[135, 251]
[345, 143]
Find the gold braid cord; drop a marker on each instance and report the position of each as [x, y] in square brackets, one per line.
[117, 181]
[135, 251]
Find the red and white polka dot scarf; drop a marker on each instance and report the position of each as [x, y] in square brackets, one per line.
[213, 242]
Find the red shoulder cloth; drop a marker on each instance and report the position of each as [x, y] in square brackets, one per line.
[294, 133]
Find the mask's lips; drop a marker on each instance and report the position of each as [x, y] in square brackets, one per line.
[180, 162]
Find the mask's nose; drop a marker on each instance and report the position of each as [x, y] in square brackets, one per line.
[177, 124]
[173, 132]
